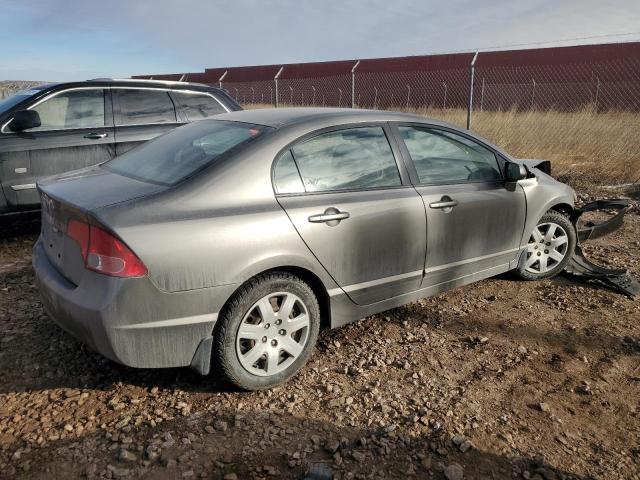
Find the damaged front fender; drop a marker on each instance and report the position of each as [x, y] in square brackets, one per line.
[581, 267]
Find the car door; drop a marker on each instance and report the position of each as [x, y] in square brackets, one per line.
[474, 223]
[142, 114]
[357, 213]
[76, 131]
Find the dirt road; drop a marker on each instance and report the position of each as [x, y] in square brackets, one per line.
[502, 379]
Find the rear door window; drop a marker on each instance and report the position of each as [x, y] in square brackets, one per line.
[139, 107]
[354, 158]
[196, 106]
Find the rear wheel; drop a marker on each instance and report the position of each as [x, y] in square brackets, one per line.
[267, 332]
[550, 247]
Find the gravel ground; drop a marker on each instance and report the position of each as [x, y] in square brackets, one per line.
[501, 379]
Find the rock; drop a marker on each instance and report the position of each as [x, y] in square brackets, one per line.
[332, 447]
[453, 472]
[522, 350]
[221, 425]
[270, 470]
[230, 476]
[465, 446]
[544, 407]
[584, 388]
[128, 456]
[358, 456]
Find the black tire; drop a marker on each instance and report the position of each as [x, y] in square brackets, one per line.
[225, 354]
[526, 271]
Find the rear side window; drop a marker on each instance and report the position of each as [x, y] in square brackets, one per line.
[442, 157]
[285, 176]
[139, 107]
[353, 158]
[195, 106]
[182, 152]
[72, 109]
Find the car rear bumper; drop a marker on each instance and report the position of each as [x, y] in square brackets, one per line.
[129, 320]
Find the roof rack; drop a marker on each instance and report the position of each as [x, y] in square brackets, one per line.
[144, 80]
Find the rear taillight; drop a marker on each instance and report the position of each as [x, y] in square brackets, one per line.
[103, 252]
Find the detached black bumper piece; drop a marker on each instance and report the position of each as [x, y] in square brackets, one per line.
[582, 267]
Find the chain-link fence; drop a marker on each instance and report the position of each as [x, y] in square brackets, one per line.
[581, 112]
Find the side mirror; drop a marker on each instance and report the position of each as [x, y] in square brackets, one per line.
[514, 172]
[24, 120]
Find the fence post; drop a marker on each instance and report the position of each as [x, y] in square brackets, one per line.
[222, 78]
[275, 79]
[353, 84]
[482, 95]
[472, 72]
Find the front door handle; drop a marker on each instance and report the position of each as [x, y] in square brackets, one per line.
[444, 203]
[96, 136]
[331, 216]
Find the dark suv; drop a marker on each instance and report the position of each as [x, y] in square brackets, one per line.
[54, 128]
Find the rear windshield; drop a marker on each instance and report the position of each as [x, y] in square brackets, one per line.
[182, 152]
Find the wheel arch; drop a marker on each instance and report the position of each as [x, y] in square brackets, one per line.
[564, 208]
[306, 275]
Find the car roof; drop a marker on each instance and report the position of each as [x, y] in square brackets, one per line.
[132, 82]
[282, 117]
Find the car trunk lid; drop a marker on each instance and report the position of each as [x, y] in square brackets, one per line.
[74, 196]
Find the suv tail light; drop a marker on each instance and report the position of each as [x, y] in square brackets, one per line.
[103, 252]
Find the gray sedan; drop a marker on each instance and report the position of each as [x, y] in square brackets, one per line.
[231, 242]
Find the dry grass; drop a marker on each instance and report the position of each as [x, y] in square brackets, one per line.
[586, 147]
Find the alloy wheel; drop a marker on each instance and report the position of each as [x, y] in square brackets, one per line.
[547, 247]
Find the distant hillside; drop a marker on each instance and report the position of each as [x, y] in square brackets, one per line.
[9, 87]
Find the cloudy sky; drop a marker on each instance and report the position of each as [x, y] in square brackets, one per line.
[78, 39]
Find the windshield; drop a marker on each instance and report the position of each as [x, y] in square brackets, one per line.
[182, 152]
[15, 99]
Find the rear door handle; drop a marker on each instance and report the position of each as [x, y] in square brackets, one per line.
[96, 136]
[333, 216]
[445, 202]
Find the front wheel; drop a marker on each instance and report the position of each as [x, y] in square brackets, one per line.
[267, 331]
[550, 247]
